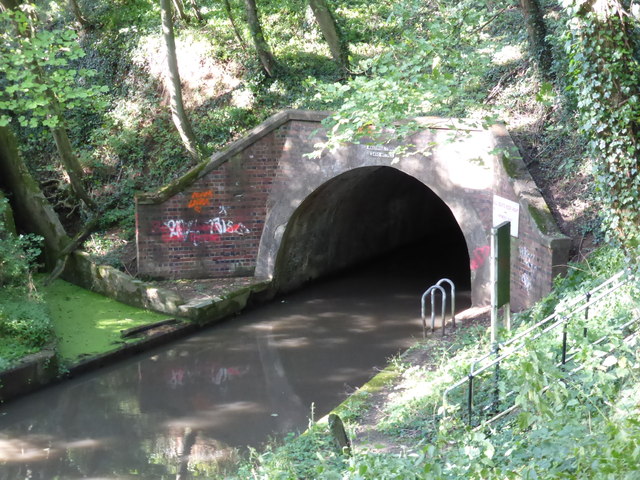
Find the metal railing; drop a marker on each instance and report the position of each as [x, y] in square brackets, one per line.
[432, 290]
[516, 343]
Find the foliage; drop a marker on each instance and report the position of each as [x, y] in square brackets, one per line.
[18, 254]
[603, 44]
[25, 325]
[311, 455]
[576, 421]
[434, 68]
[36, 68]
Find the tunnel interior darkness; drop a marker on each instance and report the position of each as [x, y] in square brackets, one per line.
[366, 213]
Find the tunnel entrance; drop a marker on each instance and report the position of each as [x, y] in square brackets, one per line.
[367, 214]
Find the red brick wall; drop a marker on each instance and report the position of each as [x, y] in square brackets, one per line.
[213, 228]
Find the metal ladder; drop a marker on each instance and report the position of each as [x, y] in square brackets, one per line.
[432, 290]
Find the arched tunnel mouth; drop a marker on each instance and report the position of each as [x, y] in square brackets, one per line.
[376, 219]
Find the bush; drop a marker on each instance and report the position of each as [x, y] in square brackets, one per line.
[25, 326]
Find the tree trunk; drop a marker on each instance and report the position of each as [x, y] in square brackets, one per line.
[227, 7]
[7, 218]
[80, 18]
[33, 211]
[178, 114]
[537, 33]
[265, 56]
[71, 163]
[9, 4]
[331, 33]
[180, 9]
[196, 10]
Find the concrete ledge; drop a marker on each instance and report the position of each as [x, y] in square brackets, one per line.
[82, 271]
[205, 311]
[30, 374]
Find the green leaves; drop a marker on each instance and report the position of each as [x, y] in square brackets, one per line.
[428, 71]
[605, 78]
[37, 73]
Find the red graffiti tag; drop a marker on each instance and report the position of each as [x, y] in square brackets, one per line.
[479, 256]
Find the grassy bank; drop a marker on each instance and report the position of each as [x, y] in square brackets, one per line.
[25, 325]
[583, 426]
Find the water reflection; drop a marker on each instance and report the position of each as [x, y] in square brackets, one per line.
[181, 411]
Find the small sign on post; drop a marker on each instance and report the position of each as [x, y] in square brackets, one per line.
[505, 210]
[500, 276]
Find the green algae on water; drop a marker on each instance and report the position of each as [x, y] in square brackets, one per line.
[88, 324]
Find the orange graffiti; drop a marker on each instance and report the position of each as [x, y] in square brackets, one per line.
[200, 199]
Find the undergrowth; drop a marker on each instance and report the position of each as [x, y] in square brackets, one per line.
[577, 420]
[25, 325]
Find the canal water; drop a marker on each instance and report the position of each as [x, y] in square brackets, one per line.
[188, 408]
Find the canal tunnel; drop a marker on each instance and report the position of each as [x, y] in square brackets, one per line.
[269, 193]
[367, 214]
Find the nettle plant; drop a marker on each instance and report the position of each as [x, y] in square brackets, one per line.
[603, 44]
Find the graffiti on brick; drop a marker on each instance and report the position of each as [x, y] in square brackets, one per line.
[479, 257]
[199, 200]
[529, 263]
[198, 231]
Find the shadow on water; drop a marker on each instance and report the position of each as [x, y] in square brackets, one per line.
[187, 405]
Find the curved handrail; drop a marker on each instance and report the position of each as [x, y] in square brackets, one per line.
[453, 298]
[432, 290]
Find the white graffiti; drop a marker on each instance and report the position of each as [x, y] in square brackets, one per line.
[220, 225]
[528, 262]
[198, 231]
[177, 228]
[527, 283]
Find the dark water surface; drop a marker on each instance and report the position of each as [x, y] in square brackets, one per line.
[188, 404]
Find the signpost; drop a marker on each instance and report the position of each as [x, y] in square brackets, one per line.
[500, 292]
[500, 276]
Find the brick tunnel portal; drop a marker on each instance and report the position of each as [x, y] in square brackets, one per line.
[367, 213]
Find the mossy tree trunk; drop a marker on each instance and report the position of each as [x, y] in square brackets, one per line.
[331, 32]
[72, 165]
[7, 218]
[267, 60]
[537, 33]
[178, 114]
[33, 211]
